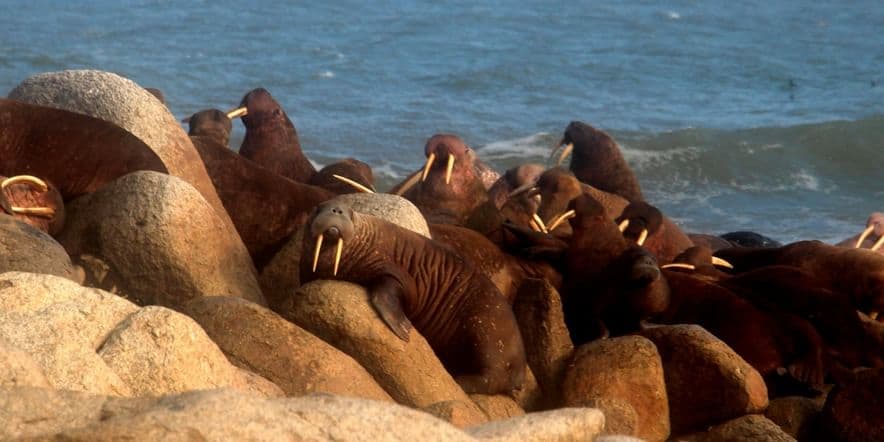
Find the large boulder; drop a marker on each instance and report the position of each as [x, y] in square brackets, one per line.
[627, 369]
[706, 381]
[162, 239]
[340, 313]
[27, 411]
[796, 415]
[564, 424]
[121, 101]
[497, 407]
[854, 411]
[458, 413]
[281, 276]
[24, 248]
[18, 368]
[752, 427]
[262, 341]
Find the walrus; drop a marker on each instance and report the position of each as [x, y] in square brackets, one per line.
[271, 139]
[212, 124]
[744, 238]
[506, 195]
[414, 280]
[346, 169]
[872, 237]
[597, 161]
[266, 208]
[639, 220]
[157, 93]
[34, 201]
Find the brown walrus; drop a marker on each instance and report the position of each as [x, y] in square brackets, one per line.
[412, 279]
[346, 169]
[33, 201]
[271, 139]
[211, 124]
[265, 207]
[597, 161]
[519, 207]
[872, 237]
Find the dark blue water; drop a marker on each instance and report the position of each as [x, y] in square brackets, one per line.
[735, 115]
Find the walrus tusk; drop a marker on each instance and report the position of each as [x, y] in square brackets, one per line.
[873, 316]
[521, 189]
[863, 236]
[540, 223]
[409, 183]
[28, 179]
[534, 226]
[623, 225]
[358, 186]
[43, 212]
[449, 168]
[338, 255]
[721, 263]
[560, 219]
[316, 251]
[427, 166]
[642, 237]
[565, 152]
[878, 244]
[678, 265]
[238, 112]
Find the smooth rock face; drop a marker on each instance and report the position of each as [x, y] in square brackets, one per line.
[855, 411]
[18, 369]
[162, 239]
[24, 248]
[706, 381]
[228, 415]
[262, 341]
[564, 424]
[627, 368]
[548, 346]
[159, 351]
[497, 407]
[457, 413]
[123, 102]
[752, 427]
[61, 325]
[33, 411]
[281, 276]
[340, 314]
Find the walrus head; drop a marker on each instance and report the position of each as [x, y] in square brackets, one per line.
[581, 134]
[33, 201]
[331, 221]
[210, 123]
[875, 224]
[258, 108]
[451, 148]
[639, 220]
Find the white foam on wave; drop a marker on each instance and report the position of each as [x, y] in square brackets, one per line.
[536, 145]
[672, 15]
[640, 159]
[800, 180]
[325, 74]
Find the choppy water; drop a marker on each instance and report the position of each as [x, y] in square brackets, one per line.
[735, 115]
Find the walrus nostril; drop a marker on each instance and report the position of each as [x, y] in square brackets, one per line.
[333, 232]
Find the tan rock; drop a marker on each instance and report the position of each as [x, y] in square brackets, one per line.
[457, 413]
[253, 382]
[530, 397]
[548, 346]
[626, 368]
[620, 417]
[262, 341]
[339, 313]
[32, 411]
[122, 102]
[564, 424]
[752, 427]
[159, 351]
[706, 381]
[497, 407]
[854, 411]
[162, 238]
[18, 368]
[229, 415]
[281, 276]
[60, 325]
[795, 415]
[24, 248]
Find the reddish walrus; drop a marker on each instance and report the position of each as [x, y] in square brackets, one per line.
[33, 201]
[265, 207]
[412, 279]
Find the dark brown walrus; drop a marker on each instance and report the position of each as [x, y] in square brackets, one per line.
[33, 201]
[349, 169]
[266, 208]
[597, 161]
[412, 279]
[271, 139]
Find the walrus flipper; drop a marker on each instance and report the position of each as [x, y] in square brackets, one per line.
[386, 297]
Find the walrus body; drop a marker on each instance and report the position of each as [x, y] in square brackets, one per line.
[349, 168]
[412, 279]
[597, 161]
[33, 201]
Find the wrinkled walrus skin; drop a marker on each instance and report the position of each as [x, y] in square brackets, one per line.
[412, 279]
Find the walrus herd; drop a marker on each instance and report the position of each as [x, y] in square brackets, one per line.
[803, 314]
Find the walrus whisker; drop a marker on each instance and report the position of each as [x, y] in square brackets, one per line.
[560, 219]
[863, 236]
[642, 237]
[427, 166]
[623, 225]
[449, 168]
[338, 251]
[565, 152]
[28, 179]
[540, 223]
[355, 184]
[878, 244]
[721, 262]
[238, 112]
[316, 252]
[43, 212]
[678, 265]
